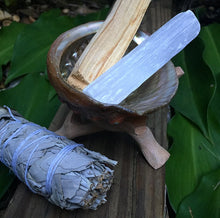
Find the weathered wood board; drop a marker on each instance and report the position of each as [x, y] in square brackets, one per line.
[138, 190]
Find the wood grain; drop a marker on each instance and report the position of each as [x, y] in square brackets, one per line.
[110, 42]
[138, 190]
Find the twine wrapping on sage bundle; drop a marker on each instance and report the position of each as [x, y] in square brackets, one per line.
[66, 173]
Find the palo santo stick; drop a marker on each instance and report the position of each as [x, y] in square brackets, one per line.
[110, 42]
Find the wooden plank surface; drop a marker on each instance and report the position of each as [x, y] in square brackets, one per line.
[138, 190]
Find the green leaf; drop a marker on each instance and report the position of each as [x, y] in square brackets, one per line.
[8, 36]
[195, 129]
[192, 155]
[6, 179]
[1, 74]
[33, 43]
[205, 200]
[31, 98]
[9, 3]
[211, 55]
[195, 88]
[214, 114]
[52, 94]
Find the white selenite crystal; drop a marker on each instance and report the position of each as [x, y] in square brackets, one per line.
[141, 63]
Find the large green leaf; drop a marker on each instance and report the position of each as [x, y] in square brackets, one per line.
[33, 43]
[8, 36]
[205, 200]
[31, 99]
[195, 90]
[195, 129]
[192, 155]
[211, 55]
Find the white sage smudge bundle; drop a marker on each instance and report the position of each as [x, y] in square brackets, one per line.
[66, 173]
